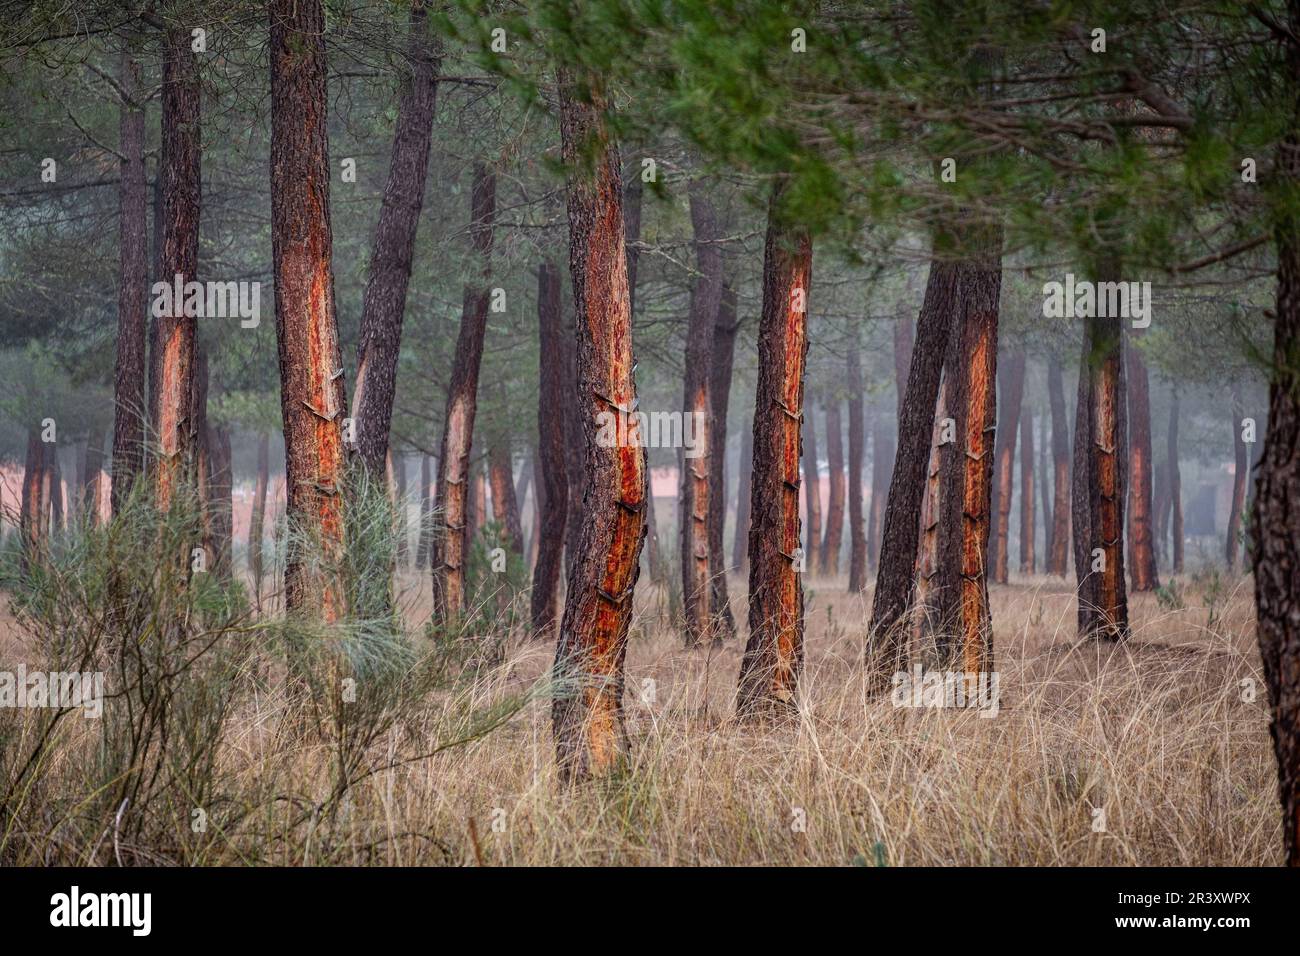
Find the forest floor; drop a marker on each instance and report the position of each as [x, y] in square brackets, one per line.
[1153, 752]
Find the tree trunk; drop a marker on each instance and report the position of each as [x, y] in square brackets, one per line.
[57, 510]
[505, 506]
[1099, 483]
[1044, 495]
[312, 395]
[452, 524]
[258, 517]
[198, 418]
[1141, 534]
[220, 498]
[423, 543]
[883, 450]
[553, 488]
[744, 483]
[697, 403]
[33, 521]
[1026, 493]
[1059, 560]
[588, 714]
[812, 490]
[182, 197]
[94, 467]
[399, 507]
[129, 399]
[383, 304]
[724, 350]
[1241, 468]
[857, 436]
[965, 519]
[1175, 487]
[833, 535]
[1161, 502]
[1013, 391]
[907, 486]
[769, 673]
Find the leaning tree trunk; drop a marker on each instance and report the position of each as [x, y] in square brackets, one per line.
[1059, 560]
[313, 400]
[588, 710]
[834, 531]
[1141, 532]
[452, 523]
[769, 673]
[1013, 391]
[129, 399]
[1241, 468]
[258, 517]
[1026, 493]
[33, 521]
[383, 304]
[908, 484]
[857, 434]
[553, 490]
[1175, 488]
[182, 196]
[1276, 538]
[693, 521]
[724, 350]
[812, 490]
[965, 518]
[1099, 483]
[744, 481]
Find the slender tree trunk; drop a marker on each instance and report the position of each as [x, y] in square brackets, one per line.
[505, 506]
[1060, 471]
[812, 490]
[383, 304]
[966, 520]
[476, 511]
[588, 715]
[907, 486]
[744, 483]
[1027, 501]
[1162, 503]
[1013, 390]
[453, 526]
[198, 417]
[182, 197]
[312, 395]
[883, 451]
[129, 399]
[773, 660]
[258, 517]
[553, 486]
[1043, 490]
[833, 535]
[1099, 492]
[1175, 487]
[857, 436]
[1142, 554]
[1241, 468]
[693, 518]
[724, 350]
[33, 524]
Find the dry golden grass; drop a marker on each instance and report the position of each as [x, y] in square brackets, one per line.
[1154, 734]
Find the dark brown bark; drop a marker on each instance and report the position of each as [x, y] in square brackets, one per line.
[1141, 531]
[1059, 557]
[1241, 468]
[129, 400]
[453, 525]
[257, 519]
[833, 534]
[907, 486]
[812, 490]
[857, 437]
[588, 711]
[553, 487]
[1027, 565]
[1012, 382]
[1175, 488]
[1099, 492]
[744, 481]
[697, 403]
[313, 399]
[383, 304]
[724, 350]
[33, 519]
[173, 354]
[965, 522]
[773, 660]
[505, 506]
